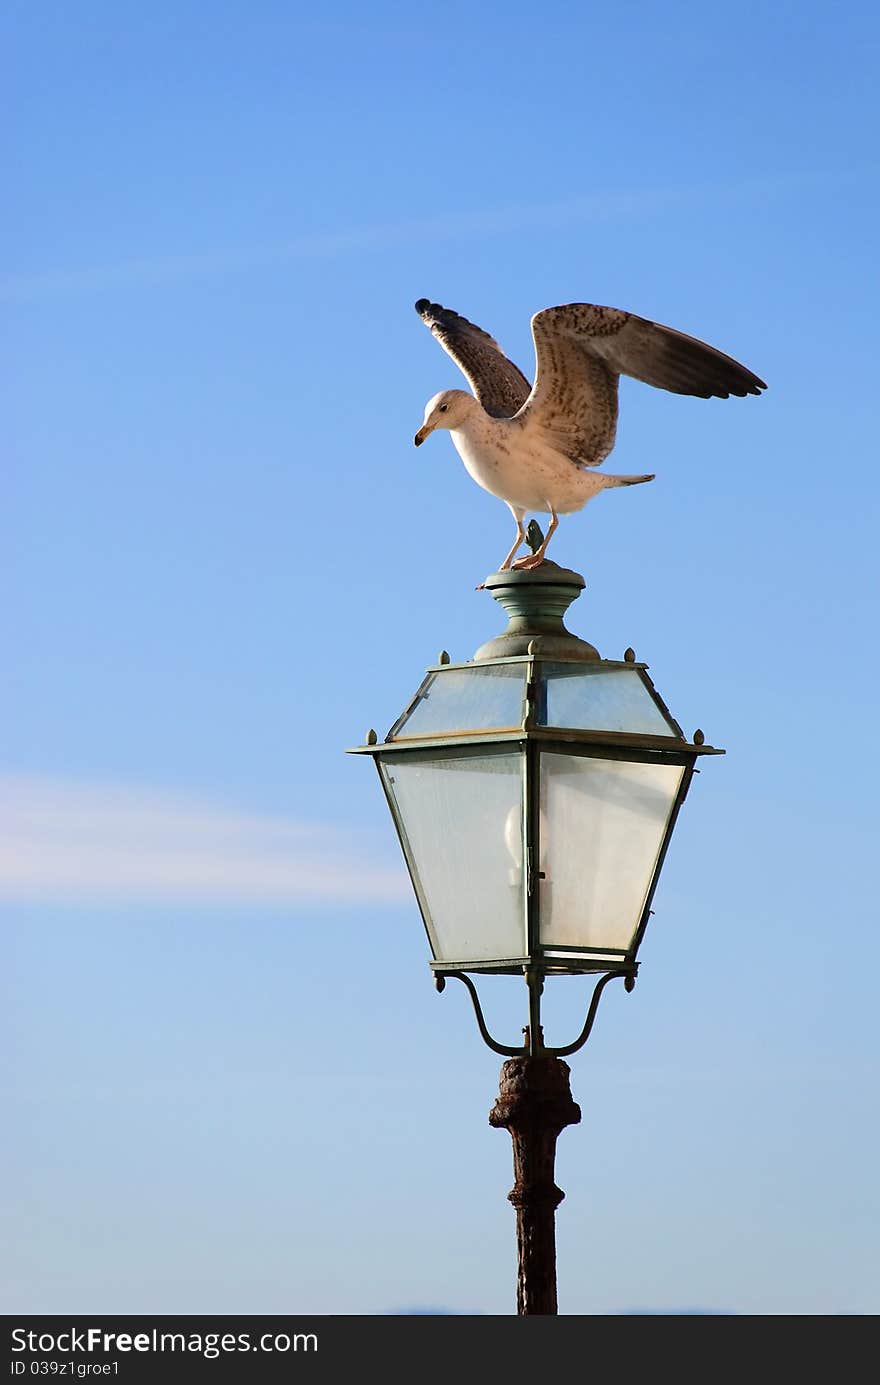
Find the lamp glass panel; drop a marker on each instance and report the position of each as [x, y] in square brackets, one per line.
[597, 699]
[463, 824]
[601, 830]
[471, 699]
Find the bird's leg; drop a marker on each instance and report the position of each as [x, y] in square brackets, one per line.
[520, 540]
[535, 559]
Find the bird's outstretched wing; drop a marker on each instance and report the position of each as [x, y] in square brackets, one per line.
[498, 384]
[581, 349]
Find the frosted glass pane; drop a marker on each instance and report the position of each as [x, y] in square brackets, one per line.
[463, 820]
[602, 826]
[472, 699]
[610, 700]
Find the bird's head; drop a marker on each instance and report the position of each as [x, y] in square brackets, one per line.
[448, 409]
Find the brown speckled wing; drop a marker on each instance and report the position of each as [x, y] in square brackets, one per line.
[582, 348]
[573, 403]
[498, 384]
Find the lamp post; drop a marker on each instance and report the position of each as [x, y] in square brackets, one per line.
[534, 790]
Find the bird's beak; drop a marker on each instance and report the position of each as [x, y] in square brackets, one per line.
[422, 434]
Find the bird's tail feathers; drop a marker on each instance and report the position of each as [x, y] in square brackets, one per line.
[627, 480]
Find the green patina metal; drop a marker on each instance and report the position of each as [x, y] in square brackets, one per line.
[535, 602]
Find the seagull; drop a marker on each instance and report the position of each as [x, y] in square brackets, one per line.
[533, 445]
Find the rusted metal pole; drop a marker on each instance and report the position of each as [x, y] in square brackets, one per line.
[535, 1104]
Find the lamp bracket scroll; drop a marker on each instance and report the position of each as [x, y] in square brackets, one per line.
[524, 1050]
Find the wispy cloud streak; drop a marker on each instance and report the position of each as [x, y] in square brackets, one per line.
[78, 842]
[503, 219]
[327, 244]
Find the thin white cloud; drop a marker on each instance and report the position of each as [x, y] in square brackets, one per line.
[501, 219]
[330, 243]
[76, 842]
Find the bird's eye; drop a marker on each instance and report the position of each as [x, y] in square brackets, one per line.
[443, 408]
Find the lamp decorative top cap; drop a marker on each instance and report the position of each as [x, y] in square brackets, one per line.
[535, 601]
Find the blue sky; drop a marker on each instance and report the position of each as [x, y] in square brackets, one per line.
[230, 1084]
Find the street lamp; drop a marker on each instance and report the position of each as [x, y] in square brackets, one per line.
[534, 790]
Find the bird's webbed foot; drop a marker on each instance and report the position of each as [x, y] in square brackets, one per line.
[537, 543]
[526, 564]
